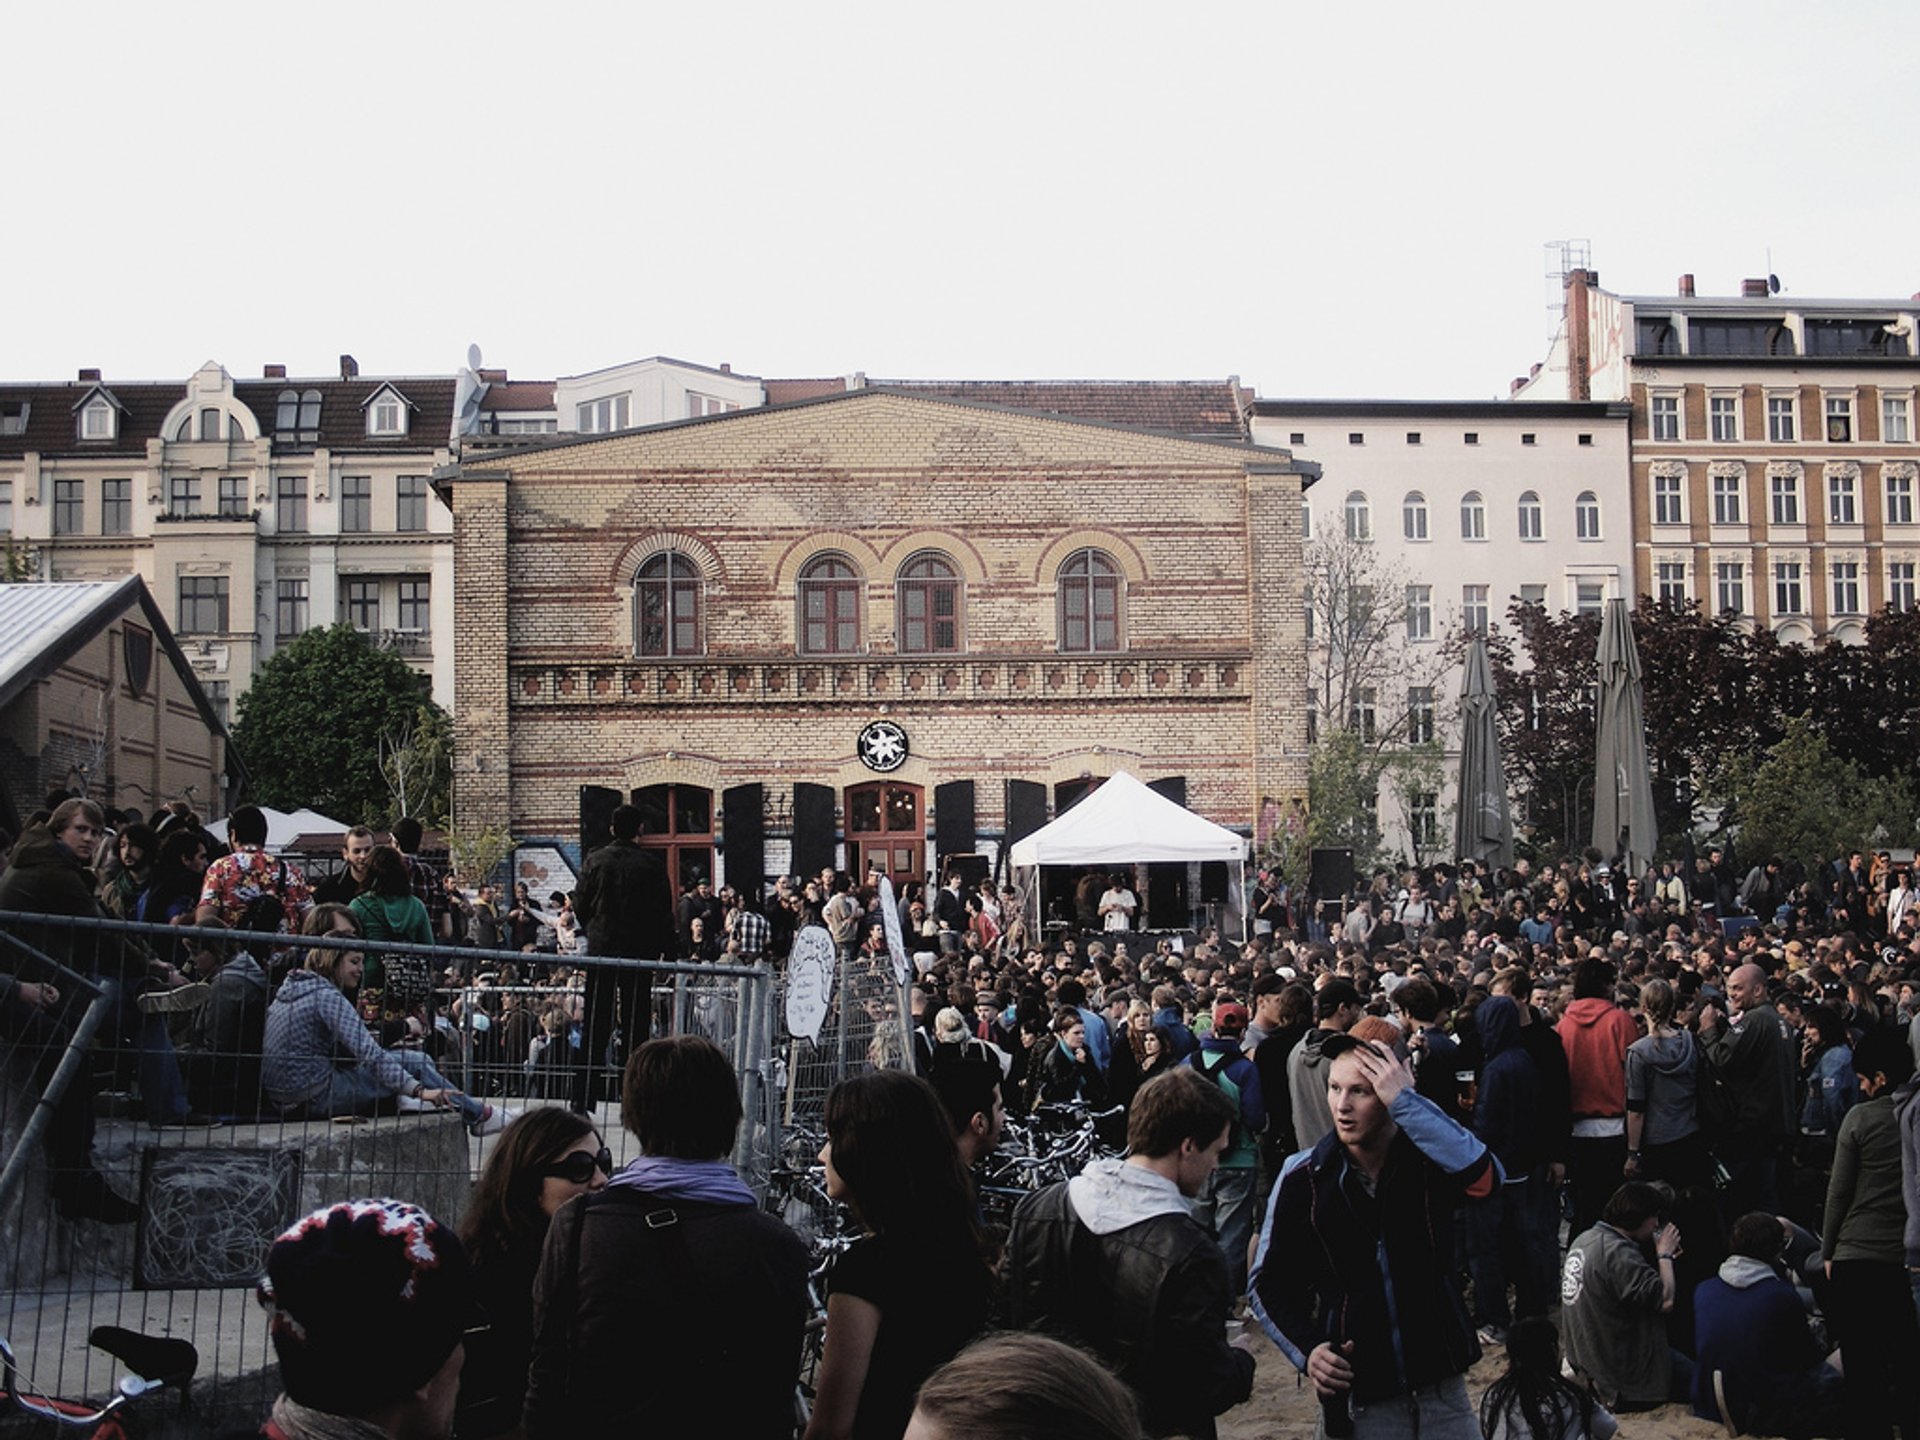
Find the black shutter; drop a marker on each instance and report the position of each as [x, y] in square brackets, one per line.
[953, 832]
[743, 831]
[597, 804]
[1026, 809]
[1174, 788]
[813, 835]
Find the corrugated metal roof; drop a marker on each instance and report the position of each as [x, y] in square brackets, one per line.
[35, 618]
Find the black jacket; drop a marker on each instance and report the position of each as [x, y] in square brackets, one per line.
[658, 1317]
[1151, 1300]
[626, 902]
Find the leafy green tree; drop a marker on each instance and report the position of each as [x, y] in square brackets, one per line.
[477, 851]
[1800, 800]
[319, 718]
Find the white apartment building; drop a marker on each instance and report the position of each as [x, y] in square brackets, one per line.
[1471, 506]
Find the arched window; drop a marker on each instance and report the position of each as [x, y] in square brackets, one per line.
[1413, 516]
[1359, 517]
[830, 607]
[1089, 603]
[1473, 516]
[929, 600]
[666, 599]
[296, 417]
[1586, 516]
[1530, 527]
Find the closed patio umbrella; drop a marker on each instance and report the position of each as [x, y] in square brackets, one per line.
[1482, 825]
[1623, 818]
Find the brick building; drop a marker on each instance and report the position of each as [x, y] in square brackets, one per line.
[1774, 457]
[742, 621]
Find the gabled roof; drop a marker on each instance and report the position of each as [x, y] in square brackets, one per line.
[44, 625]
[342, 425]
[1213, 409]
[383, 388]
[50, 430]
[104, 393]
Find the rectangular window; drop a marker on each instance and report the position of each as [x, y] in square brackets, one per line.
[1307, 610]
[1788, 596]
[1839, 419]
[1664, 417]
[411, 511]
[1666, 500]
[598, 417]
[1899, 499]
[1419, 714]
[1730, 588]
[1419, 612]
[1423, 818]
[1723, 418]
[6, 507]
[69, 506]
[362, 601]
[1900, 588]
[1895, 428]
[415, 596]
[1362, 717]
[1471, 437]
[1842, 504]
[1413, 437]
[1846, 587]
[1726, 500]
[1589, 596]
[1784, 496]
[1670, 582]
[386, 416]
[1533, 595]
[1473, 608]
[219, 696]
[203, 604]
[356, 504]
[290, 505]
[116, 507]
[183, 496]
[233, 496]
[1782, 429]
[13, 416]
[291, 612]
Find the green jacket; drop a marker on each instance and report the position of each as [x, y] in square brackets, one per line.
[1866, 1211]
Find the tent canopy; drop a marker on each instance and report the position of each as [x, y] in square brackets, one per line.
[1125, 823]
[283, 826]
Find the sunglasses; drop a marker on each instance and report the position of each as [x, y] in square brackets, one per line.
[577, 1168]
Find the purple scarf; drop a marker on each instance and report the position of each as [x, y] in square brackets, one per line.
[713, 1181]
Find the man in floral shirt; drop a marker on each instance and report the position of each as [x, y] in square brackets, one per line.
[233, 882]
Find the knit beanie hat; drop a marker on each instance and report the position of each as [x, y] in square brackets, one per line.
[366, 1300]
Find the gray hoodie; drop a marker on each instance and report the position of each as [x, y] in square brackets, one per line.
[1110, 1195]
[309, 1024]
[1662, 1081]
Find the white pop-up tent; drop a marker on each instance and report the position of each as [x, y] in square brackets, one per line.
[1126, 823]
[284, 826]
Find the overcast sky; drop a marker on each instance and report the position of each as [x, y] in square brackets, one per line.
[1323, 199]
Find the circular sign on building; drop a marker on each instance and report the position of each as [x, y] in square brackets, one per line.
[882, 746]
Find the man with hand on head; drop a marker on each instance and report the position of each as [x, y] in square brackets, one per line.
[1361, 1294]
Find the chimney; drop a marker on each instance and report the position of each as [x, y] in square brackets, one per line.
[349, 368]
[1686, 287]
[1579, 326]
[274, 372]
[493, 377]
[93, 375]
[1754, 289]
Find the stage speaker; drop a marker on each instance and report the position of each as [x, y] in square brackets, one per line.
[1332, 872]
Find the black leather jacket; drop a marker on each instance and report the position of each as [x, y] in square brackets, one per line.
[1151, 1300]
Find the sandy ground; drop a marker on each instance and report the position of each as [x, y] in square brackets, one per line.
[1282, 1409]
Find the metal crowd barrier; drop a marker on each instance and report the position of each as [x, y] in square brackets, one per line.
[213, 1196]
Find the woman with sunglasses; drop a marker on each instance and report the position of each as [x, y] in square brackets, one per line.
[544, 1159]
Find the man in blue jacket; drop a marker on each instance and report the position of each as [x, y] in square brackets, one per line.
[1506, 1117]
[1361, 1294]
[1225, 1206]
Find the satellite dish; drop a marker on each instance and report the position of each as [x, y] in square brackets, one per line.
[468, 388]
[1773, 284]
[473, 357]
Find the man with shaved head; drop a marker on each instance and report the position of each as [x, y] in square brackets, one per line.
[1747, 1047]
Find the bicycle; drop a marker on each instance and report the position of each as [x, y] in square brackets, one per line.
[154, 1363]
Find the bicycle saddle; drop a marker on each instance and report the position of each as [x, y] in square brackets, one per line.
[151, 1357]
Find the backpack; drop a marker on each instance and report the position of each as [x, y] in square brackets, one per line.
[1213, 1064]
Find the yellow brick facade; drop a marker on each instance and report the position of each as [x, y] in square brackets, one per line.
[1206, 684]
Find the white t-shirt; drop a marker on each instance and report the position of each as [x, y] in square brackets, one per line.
[1117, 907]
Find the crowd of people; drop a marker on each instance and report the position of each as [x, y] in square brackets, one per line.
[1649, 1133]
